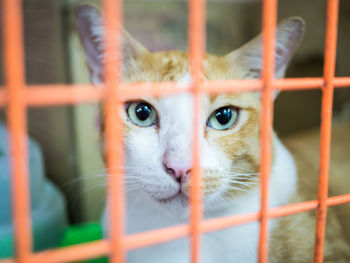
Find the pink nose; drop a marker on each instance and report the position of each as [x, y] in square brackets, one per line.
[179, 170]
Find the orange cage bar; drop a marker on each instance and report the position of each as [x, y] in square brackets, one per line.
[114, 155]
[269, 23]
[326, 125]
[196, 36]
[15, 82]
[16, 96]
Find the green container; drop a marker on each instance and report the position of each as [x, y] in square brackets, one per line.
[81, 234]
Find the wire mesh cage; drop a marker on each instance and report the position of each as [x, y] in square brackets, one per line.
[16, 96]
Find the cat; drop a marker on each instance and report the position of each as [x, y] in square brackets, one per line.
[157, 137]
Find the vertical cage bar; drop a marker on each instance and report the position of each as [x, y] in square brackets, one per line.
[269, 23]
[113, 129]
[16, 114]
[196, 36]
[326, 125]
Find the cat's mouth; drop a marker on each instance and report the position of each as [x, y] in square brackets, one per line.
[179, 200]
[178, 195]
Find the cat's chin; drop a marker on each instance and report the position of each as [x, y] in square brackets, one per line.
[176, 205]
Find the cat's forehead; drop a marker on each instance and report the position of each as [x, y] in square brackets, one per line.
[173, 66]
[160, 66]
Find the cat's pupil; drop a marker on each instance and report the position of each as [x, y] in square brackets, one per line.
[143, 111]
[223, 115]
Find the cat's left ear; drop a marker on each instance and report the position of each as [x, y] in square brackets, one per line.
[91, 28]
[288, 36]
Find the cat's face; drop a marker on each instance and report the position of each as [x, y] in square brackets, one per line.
[158, 132]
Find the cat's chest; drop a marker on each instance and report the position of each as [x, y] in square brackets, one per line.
[236, 244]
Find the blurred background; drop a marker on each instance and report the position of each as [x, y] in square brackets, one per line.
[68, 135]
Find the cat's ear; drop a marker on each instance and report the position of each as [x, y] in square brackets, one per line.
[288, 36]
[91, 31]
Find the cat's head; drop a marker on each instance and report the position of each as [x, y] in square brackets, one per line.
[158, 131]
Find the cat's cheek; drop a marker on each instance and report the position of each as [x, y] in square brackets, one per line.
[142, 148]
[212, 184]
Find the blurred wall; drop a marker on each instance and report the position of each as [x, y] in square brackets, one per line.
[45, 63]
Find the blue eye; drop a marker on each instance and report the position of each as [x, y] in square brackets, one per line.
[223, 118]
[142, 114]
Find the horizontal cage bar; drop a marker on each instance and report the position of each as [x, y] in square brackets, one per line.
[60, 94]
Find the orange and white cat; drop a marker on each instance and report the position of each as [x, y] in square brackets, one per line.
[157, 137]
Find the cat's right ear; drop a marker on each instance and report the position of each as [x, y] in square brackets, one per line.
[91, 31]
[289, 33]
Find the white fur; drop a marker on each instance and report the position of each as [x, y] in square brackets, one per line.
[145, 150]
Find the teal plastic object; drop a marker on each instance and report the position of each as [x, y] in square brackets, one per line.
[48, 211]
